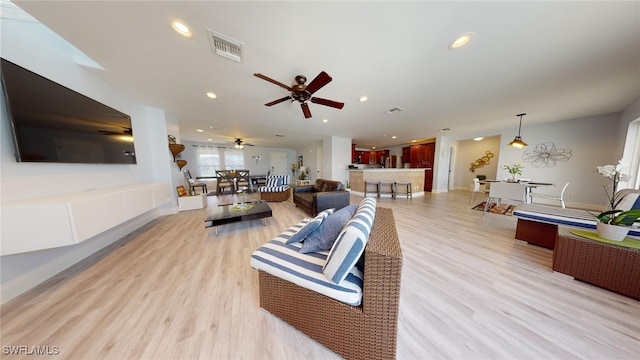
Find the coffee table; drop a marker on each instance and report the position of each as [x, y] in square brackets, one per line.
[230, 213]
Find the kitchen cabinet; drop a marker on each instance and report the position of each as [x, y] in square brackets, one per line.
[419, 156]
[369, 157]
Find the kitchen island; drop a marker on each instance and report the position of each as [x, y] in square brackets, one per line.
[357, 178]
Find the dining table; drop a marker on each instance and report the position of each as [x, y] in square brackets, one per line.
[527, 186]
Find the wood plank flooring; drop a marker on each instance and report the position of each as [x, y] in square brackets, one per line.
[174, 290]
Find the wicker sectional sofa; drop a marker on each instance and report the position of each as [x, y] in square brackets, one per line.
[364, 331]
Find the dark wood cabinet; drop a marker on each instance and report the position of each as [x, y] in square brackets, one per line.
[419, 156]
[428, 180]
[369, 157]
[406, 155]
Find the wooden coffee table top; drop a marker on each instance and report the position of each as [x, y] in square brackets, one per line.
[230, 213]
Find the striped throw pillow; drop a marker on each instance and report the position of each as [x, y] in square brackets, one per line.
[350, 243]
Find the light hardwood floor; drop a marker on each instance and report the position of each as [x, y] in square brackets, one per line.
[174, 290]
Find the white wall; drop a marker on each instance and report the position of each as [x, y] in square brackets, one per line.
[468, 151]
[38, 49]
[310, 159]
[593, 141]
[338, 159]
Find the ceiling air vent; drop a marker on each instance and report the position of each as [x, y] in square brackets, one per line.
[225, 46]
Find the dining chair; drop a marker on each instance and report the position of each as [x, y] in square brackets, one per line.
[243, 179]
[503, 191]
[224, 179]
[559, 198]
[477, 188]
[193, 183]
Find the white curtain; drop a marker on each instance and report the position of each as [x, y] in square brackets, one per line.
[212, 158]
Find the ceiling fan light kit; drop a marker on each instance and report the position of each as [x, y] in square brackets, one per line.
[303, 93]
[240, 144]
[517, 141]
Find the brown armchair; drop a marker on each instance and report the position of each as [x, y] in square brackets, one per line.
[323, 194]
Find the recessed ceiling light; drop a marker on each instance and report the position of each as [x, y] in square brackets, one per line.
[216, 128]
[325, 120]
[364, 98]
[209, 139]
[181, 29]
[211, 95]
[199, 130]
[414, 140]
[478, 138]
[461, 41]
[394, 137]
[373, 147]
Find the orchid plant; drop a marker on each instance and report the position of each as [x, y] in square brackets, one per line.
[611, 215]
[615, 174]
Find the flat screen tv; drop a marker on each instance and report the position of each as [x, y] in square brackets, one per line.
[52, 123]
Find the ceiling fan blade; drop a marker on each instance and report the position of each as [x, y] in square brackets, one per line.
[263, 77]
[316, 84]
[278, 101]
[327, 102]
[305, 110]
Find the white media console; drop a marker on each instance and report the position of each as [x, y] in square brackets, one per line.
[69, 219]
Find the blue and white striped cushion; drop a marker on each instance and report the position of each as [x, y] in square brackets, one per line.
[272, 181]
[286, 262]
[350, 243]
[276, 183]
[273, 189]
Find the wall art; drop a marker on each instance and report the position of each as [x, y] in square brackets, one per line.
[546, 155]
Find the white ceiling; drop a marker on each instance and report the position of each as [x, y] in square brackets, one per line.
[552, 60]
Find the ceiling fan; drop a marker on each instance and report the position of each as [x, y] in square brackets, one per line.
[302, 93]
[240, 144]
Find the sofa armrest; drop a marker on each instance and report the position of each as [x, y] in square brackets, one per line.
[330, 199]
[382, 267]
[303, 188]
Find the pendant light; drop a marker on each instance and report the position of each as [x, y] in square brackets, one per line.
[517, 142]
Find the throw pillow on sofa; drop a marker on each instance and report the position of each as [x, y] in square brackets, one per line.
[310, 227]
[350, 243]
[326, 234]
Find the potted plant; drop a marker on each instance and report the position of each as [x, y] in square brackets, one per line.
[613, 224]
[514, 170]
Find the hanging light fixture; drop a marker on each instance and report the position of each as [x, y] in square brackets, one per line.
[517, 142]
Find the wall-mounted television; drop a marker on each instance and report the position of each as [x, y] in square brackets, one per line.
[52, 123]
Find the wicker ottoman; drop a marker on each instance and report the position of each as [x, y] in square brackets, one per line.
[612, 267]
[275, 196]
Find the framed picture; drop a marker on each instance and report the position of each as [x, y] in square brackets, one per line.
[300, 164]
[181, 191]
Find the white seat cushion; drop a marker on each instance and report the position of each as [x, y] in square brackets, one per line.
[286, 262]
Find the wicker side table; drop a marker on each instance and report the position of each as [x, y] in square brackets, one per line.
[612, 267]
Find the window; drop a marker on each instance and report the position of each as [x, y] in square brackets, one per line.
[233, 159]
[212, 158]
[207, 161]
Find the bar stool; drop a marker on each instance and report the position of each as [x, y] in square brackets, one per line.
[407, 188]
[387, 187]
[366, 185]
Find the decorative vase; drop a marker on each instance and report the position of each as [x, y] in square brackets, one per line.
[611, 232]
[513, 178]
